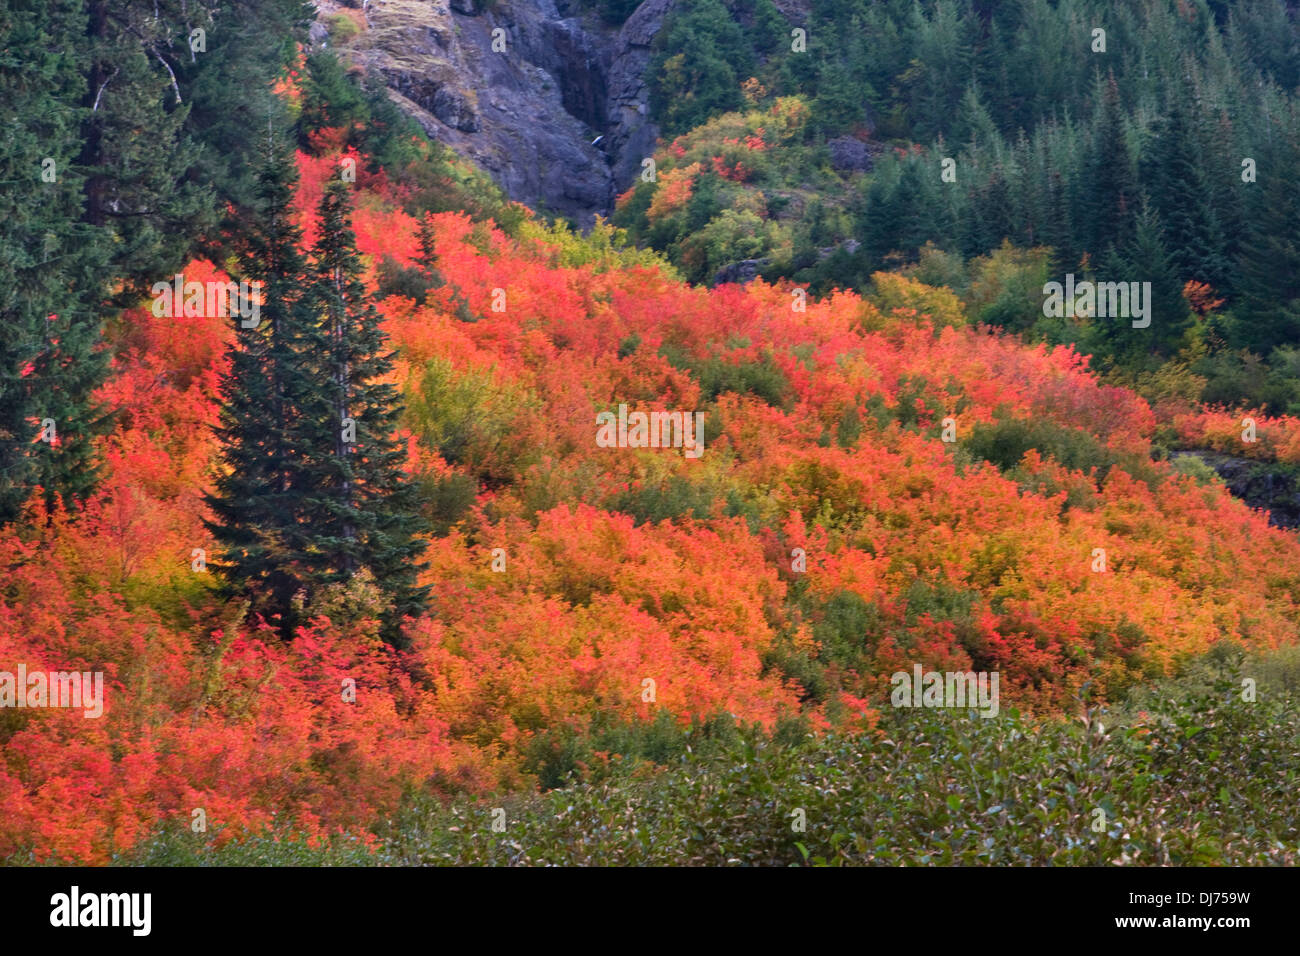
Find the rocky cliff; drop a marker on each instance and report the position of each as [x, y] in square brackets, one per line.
[1267, 485]
[541, 94]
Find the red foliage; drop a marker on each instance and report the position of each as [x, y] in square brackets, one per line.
[206, 711]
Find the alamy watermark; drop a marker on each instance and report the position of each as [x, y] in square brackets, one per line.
[130, 910]
[216, 299]
[1104, 300]
[950, 689]
[683, 430]
[72, 689]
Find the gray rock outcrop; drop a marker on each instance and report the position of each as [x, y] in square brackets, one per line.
[1270, 486]
[546, 98]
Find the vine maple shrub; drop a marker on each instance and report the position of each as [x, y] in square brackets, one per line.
[565, 575]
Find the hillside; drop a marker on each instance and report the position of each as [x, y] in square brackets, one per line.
[822, 433]
[386, 482]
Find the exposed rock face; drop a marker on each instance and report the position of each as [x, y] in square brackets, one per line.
[849, 154]
[552, 103]
[632, 132]
[742, 272]
[1275, 488]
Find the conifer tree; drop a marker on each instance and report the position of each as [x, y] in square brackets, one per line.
[1269, 262]
[52, 264]
[251, 42]
[428, 258]
[256, 504]
[1057, 233]
[359, 506]
[136, 151]
[1144, 258]
[1181, 193]
[974, 125]
[1110, 184]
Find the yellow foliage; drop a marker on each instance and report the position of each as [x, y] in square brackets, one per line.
[894, 291]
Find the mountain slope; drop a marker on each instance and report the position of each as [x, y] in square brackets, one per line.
[826, 537]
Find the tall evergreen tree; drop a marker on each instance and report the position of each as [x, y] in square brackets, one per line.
[1109, 181]
[248, 42]
[1269, 262]
[1144, 258]
[944, 47]
[52, 264]
[1181, 192]
[991, 213]
[359, 506]
[974, 126]
[701, 57]
[136, 153]
[256, 503]
[1057, 232]
[839, 103]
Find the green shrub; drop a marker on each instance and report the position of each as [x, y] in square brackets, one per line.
[343, 28]
[447, 499]
[761, 378]
[1004, 443]
[409, 281]
[1185, 771]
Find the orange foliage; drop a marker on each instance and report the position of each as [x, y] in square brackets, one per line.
[675, 188]
[204, 710]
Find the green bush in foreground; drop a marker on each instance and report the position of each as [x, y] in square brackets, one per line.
[1188, 771]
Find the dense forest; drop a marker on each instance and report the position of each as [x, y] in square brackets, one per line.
[1156, 139]
[357, 570]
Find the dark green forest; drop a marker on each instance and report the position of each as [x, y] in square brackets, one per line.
[1163, 148]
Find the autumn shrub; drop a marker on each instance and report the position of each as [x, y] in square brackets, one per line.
[343, 28]
[562, 756]
[1195, 468]
[472, 418]
[674, 497]
[447, 499]
[842, 627]
[824, 436]
[283, 846]
[895, 292]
